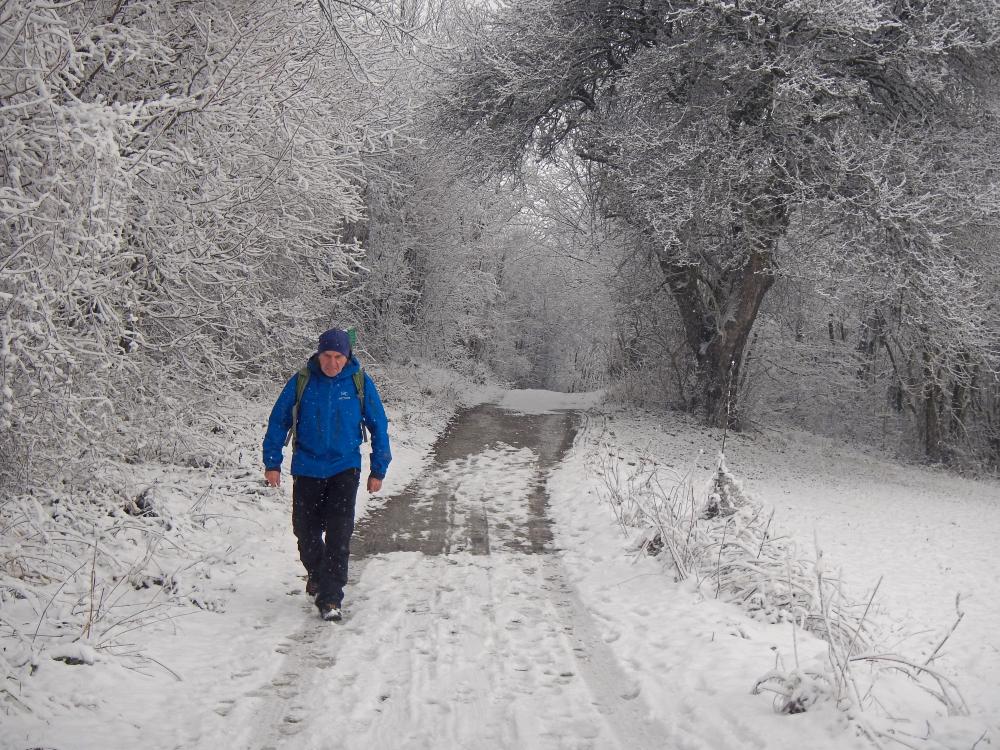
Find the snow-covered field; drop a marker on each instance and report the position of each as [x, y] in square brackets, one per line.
[923, 536]
[589, 646]
[929, 535]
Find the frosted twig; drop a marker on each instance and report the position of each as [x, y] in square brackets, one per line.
[93, 585]
[53, 597]
[951, 630]
[960, 708]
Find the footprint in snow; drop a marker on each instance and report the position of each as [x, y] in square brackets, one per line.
[631, 693]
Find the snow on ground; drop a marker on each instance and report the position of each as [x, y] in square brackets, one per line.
[545, 402]
[693, 660]
[929, 535]
[584, 647]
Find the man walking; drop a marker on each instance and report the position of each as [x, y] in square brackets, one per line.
[326, 407]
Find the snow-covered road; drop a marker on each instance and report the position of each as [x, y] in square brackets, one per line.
[491, 605]
[450, 652]
[462, 627]
[475, 620]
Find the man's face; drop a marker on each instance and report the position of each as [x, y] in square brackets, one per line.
[331, 363]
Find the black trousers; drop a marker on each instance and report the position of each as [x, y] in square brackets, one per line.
[323, 521]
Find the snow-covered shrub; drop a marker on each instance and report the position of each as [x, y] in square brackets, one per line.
[795, 691]
[920, 376]
[649, 365]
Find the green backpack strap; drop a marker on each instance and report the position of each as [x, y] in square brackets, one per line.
[359, 385]
[301, 380]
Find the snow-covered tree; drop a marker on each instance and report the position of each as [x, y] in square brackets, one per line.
[177, 184]
[714, 127]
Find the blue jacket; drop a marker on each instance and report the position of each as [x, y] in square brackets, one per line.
[328, 435]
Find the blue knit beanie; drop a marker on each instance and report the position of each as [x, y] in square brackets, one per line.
[335, 340]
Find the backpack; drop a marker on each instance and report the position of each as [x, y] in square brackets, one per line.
[302, 379]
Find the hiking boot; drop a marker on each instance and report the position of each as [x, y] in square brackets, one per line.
[312, 586]
[330, 612]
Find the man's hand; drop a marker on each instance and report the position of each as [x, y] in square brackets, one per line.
[272, 477]
[374, 484]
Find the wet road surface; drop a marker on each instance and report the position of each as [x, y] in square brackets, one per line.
[451, 508]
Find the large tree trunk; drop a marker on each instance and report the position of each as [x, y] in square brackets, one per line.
[718, 318]
[719, 304]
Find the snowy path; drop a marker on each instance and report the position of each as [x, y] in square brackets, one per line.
[463, 630]
[492, 605]
[453, 652]
[480, 615]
